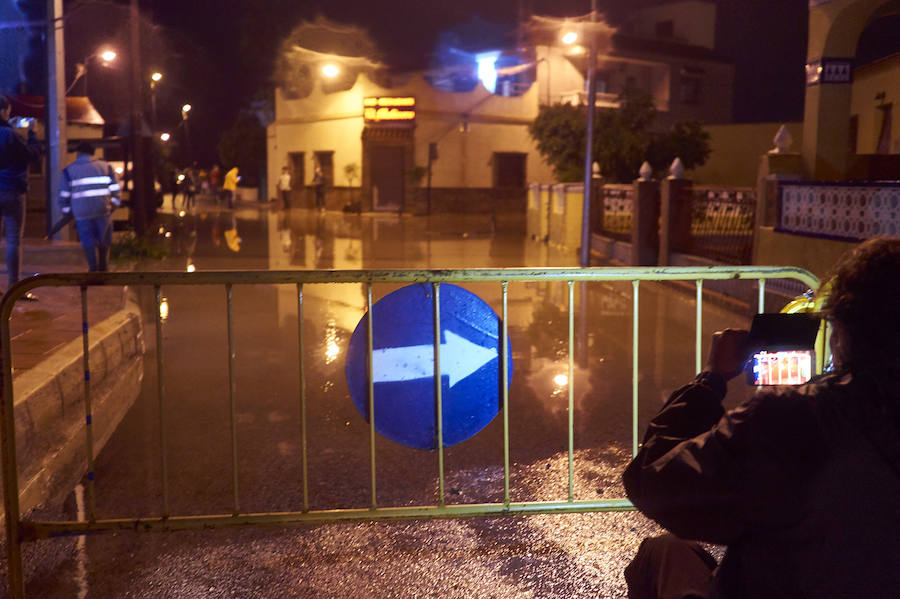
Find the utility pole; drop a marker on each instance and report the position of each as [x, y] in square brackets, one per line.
[140, 203]
[589, 149]
[57, 138]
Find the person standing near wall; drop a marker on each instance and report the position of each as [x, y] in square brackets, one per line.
[230, 185]
[284, 187]
[15, 156]
[88, 191]
[319, 185]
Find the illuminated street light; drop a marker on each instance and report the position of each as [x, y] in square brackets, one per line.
[164, 137]
[155, 78]
[108, 55]
[570, 37]
[81, 68]
[331, 71]
[185, 110]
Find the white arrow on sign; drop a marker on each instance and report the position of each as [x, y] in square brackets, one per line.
[459, 358]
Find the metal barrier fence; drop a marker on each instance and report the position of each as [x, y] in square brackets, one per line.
[721, 224]
[21, 529]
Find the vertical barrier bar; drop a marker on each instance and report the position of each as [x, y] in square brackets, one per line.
[371, 378]
[303, 445]
[699, 340]
[232, 386]
[634, 372]
[15, 572]
[161, 397]
[762, 295]
[438, 399]
[504, 386]
[88, 416]
[571, 386]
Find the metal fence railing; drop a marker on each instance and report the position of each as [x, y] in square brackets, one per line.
[722, 223]
[617, 211]
[22, 528]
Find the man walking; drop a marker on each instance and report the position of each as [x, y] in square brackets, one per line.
[88, 192]
[284, 187]
[15, 156]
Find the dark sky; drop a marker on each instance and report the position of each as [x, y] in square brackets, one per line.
[216, 54]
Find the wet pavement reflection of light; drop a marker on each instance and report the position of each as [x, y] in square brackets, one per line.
[538, 556]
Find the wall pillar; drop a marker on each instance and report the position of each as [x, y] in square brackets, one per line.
[645, 222]
[676, 206]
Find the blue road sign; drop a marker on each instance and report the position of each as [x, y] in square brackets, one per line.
[403, 365]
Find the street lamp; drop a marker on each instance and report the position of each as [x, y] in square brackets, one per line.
[569, 38]
[81, 68]
[185, 111]
[164, 137]
[155, 78]
[330, 70]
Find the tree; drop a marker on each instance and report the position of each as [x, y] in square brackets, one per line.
[623, 139]
[244, 146]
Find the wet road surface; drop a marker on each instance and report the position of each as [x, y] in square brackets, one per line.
[580, 555]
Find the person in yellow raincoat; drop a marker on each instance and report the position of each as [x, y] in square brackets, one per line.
[230, 185]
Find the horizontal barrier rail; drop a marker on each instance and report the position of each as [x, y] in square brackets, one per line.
[20, 530]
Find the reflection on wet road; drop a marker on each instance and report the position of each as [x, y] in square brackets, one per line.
[539, 556]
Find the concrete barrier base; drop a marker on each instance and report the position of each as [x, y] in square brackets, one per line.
[51, 419]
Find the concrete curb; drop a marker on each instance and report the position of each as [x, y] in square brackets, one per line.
[51, 441]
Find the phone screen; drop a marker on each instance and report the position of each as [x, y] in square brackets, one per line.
[789, 367]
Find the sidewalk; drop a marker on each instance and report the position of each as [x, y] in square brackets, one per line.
[40, 328]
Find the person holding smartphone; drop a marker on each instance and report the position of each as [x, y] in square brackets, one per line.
[15, 156]
[800, 483]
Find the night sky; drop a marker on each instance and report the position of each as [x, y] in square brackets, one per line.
[218, 54]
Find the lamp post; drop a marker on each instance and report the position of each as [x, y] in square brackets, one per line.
[185, 112]
[106, 57]
[155, 78]
[589, 142]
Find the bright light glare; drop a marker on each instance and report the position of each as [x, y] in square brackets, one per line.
[330, 70]
[181, 213]
[186, 108]
[108, 55]
[332, 349]
[164, 309]
[561, 380]
[487, 70]
[119, 170]
[156, 77]
[191, 267]
[164, 136]
[180, 178]
[569, 37]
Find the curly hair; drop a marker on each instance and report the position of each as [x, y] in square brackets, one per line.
[864, 298]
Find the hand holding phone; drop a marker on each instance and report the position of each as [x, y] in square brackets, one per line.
[728, 352]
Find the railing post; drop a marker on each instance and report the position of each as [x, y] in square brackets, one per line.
[675, 213]
[644, 219]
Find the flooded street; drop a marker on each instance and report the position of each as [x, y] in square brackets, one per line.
[546, 556]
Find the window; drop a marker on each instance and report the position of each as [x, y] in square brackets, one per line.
[509, 169]
[884, 135]
[689, 91]
[853, 136]
[665, 29]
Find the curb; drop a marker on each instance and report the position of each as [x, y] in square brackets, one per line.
[50, 412]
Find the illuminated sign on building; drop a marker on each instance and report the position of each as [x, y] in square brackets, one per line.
[376, 110]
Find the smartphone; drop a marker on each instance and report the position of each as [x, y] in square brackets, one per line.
[785, 367]
[783, 345]
[21, 122]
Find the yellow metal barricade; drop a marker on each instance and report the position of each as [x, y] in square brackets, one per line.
[19, 529]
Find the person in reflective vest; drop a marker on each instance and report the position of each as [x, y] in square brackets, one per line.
[89, 190]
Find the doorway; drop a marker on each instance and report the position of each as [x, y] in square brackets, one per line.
[387, 178]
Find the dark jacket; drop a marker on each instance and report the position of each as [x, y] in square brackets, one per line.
[801, 483]
[15, 155]
[87, 188]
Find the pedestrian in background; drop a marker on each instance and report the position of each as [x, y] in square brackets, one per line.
[15, 156]
[88, 192]
[284, 187]
[230, 185]
[215, 182]
[319, 185]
